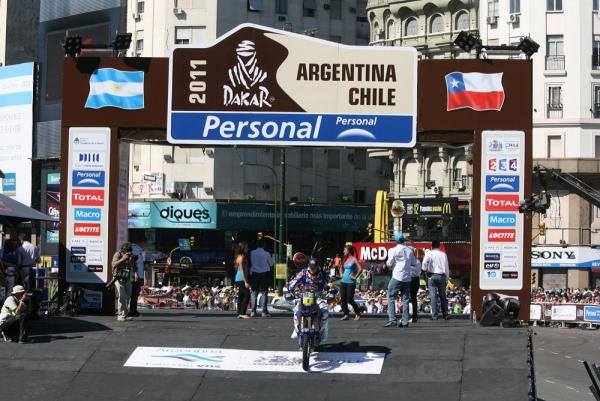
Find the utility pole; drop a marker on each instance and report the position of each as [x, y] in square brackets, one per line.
[282, 252]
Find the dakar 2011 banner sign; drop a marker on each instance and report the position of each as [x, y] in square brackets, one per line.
[262, 86]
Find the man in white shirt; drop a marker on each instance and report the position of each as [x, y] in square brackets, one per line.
[261, 263]
[402, 260]
[13, 315]
[28, 255]
[435, 264]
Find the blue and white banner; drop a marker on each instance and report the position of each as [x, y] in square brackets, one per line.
[502, 183]
[88, 178]
[565, 257]
[591, 313]
[16, 129]
[114, 88]
[290, 129]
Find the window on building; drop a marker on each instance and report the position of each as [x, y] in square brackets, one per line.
[555, 105]
[412, 27]
[596, 52]
[309, 8]
[281, 6]
[306, 157]
[493, 10]
[360, 159]
[139, 45]
[306, 193]
[437, 24]
[596, 101]
[597, 147]
[376, 31]
[391, 29]
[515, 6]
[554, 5]
[555, 58]
[462, 21]
[359, 196]
[254, 5]
[190, 35]
[596, 5]
[333, 193]
[335, 9]
[140, 7]
[554, 146]
[333, 158]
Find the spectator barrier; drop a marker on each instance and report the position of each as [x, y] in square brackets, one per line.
[564, 313]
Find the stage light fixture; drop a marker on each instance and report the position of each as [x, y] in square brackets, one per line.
[528, 46]
[467, 41]
[72, 45]
[122, 42]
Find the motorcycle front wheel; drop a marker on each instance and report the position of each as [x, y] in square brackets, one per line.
[306, 350]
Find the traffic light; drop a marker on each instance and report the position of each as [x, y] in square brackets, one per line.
[370, 229]
[192, 242]
[533, 278]
[542, 228]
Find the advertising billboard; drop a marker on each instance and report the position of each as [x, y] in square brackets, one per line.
[202, 215]
[501, 256]
[262, 86]
[53, 206]
[16, 125]
[87, 206]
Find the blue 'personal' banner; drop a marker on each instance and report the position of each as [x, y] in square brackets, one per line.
[291, 129]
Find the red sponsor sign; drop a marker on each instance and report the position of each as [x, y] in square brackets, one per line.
[502, 235]
[501, 203]
[87, 230]
[87, 197]
[370, 252]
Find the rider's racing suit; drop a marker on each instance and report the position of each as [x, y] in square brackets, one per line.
[317, 282]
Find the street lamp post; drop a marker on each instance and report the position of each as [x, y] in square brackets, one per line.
[277, 250]
[281, 216]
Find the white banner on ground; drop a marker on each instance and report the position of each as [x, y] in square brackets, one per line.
[564, 312]
[366, 363]
[535, 312]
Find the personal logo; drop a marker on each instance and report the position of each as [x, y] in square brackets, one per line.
[88, 178]
[88, 214]
[501, 203]
[91, 160]
[86, 229]
[245, 78]
[189, 357]
[87, 197]
[502, 220]
[502, 183]
[502, 235]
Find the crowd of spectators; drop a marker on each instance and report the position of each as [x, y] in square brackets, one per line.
[566, 296]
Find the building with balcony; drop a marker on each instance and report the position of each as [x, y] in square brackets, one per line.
[566, 113]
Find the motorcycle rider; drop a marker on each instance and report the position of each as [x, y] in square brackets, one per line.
[315, 278]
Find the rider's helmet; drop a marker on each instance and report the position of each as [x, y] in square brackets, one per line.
[299, 259]
[312, 264]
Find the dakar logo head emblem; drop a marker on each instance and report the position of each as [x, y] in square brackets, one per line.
[245, 77]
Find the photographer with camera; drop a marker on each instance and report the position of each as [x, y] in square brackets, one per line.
[124, 267]
[13, 316]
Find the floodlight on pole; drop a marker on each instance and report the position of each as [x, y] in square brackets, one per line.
[73, 45]
[122, 42]
[528, 46]
[467, 41]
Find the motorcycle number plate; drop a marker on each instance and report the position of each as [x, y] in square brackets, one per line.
[308, 299]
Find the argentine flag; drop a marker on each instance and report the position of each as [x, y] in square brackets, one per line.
[114, 88]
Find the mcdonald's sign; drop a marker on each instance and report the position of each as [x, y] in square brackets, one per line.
[430, 207]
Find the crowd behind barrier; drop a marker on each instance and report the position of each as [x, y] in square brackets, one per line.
[561, 307]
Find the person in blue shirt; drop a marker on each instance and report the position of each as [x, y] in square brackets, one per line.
[315, 278]
[242, 278]
[349, 271]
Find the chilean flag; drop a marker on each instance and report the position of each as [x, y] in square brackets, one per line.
[475, 90]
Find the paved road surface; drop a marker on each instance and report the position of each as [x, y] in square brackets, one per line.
[558, 360]
[82, 359]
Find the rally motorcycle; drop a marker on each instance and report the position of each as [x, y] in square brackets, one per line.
[309, 325]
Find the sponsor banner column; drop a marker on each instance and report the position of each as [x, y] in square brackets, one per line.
[87, 205]
[501, 259]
